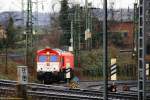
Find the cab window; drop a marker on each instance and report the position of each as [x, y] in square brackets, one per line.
[42, 58]
[53, 58]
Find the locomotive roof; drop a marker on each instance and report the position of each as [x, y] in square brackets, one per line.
[55, 51]
[67, 53]
[47, 50]
[63, 52]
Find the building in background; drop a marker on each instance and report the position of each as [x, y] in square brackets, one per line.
[126, 30]
[2, 32]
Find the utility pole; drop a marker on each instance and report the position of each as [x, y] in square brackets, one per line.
[37, 14]
[121, 19]
[71, 40]
[77, 34]
[112, 11]
[6, 57]
[90, 24]
[87, 21]
[129, 14]
[86, 13]
[105, 51]
[135, 34]
[75, 39]
[36, 4]
[22, 4]
[23, 26]
[36, 25]
[29, 34]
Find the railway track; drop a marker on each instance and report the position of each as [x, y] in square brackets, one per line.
[83, 94]
[41, 91]
[8, 88]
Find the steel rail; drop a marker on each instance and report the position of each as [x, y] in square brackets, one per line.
[52, 91]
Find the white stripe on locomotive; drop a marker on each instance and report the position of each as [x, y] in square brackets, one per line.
[45, 67]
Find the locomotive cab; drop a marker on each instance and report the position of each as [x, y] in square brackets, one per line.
[52, 65]
[48, 63]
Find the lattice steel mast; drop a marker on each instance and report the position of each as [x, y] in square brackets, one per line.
[141, 52]
[29, 34]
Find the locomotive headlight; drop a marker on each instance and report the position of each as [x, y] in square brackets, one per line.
[47, 53]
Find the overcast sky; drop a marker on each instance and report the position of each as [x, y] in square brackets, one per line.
[46, 5]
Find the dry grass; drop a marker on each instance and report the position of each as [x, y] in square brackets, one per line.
[12, 71]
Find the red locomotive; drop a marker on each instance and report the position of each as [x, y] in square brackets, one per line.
[53, 63]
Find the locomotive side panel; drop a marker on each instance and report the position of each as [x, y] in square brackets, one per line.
[67, 60]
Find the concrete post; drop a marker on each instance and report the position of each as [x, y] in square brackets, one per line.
[22, 73]
[113, 69]
[68, 76]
